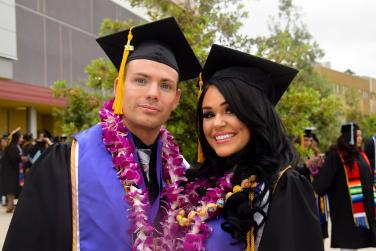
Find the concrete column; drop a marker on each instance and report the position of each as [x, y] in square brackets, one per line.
[32, 121]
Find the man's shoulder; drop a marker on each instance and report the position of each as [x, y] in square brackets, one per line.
[89, 134]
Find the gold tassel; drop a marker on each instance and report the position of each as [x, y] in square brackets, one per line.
[118, 103]
[200, 154]
[250, 234]
[302, 141]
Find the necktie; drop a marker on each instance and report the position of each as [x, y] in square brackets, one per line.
[144, 157]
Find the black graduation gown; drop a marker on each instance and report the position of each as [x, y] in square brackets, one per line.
[42, 220]
[292, 221]
[369, 149]
[43, 216]
[331, 180]
[9, 174]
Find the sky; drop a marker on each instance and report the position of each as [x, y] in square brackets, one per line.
[344, 29]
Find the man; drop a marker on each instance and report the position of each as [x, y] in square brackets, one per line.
[102, 193]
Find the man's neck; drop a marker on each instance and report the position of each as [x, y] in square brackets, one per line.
[146, 135]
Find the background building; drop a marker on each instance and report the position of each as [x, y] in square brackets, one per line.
[43, 41]
[344, 82]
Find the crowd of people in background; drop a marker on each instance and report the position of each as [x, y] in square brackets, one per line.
[18, 152]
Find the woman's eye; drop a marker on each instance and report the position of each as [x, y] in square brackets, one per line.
[207, 115]
[229, 110]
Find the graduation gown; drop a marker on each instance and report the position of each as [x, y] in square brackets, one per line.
[369, 149]
[292, 222]
[80, 205]
[331, 180]
[10, 170]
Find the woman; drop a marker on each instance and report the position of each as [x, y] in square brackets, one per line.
[12, 159]
[347, 178]
[270, 206]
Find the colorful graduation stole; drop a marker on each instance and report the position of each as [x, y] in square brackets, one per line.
[355, 191]
[21, 174]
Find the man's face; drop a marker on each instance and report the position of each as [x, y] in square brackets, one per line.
[150, 94]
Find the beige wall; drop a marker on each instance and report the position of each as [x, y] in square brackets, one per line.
[3, 121]
[343, 82]
[19, 118]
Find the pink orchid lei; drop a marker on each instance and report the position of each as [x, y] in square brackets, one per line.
[173, 237]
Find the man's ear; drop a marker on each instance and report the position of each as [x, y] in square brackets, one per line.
[177, 99]
[115, 85]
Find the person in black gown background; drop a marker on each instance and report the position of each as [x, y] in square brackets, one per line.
[11, 161]
[345, 166]
[370, 150]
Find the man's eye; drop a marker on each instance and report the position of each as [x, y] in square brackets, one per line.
[207, 115]
[166, 86]
[140, 81]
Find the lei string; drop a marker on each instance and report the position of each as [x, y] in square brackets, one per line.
[146, 236]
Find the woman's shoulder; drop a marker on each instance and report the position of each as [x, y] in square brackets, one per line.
[288, 178]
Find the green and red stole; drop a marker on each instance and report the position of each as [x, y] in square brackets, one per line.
[356, 193]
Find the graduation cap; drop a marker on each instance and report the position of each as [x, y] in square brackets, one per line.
[5, 135]
[13, 135]
[350, 127]
[269, 77]
[161, 41]
[308, 132]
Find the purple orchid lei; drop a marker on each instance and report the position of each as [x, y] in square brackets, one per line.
[173, 236]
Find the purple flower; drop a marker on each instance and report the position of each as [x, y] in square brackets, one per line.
[193, 242]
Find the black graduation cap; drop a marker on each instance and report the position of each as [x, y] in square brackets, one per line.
[269, 77]
[308, 132]
[160, 41]
[349, 127]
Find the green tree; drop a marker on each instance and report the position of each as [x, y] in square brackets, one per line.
[353, 99]
[82, 109]
[309, 100]
[368, 126]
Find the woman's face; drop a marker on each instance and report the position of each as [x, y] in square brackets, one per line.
[225, 133]
[359, 138]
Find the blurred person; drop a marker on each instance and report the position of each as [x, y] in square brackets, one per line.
[12, 162]
[348, 179]
[39, 146]
[370, 150]
[27, 147]
[3, 144]
[113, 188]
[309, 166]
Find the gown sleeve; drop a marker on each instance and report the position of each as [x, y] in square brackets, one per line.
[327, 173]
[369, 149]
[42, 219]
[292, 222]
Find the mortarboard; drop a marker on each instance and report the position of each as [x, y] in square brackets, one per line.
[269, 77]
[349, 127]
[161, 41]
[308, 132]
[225, 63]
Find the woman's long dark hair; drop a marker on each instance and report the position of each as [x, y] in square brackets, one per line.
[348, 152]
[268, 151]
[14, 141]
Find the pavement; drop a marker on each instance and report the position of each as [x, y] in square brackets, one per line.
[4, 224]
[5, 219]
